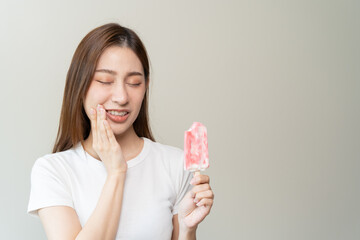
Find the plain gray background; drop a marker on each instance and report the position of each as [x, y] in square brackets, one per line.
[277, 83]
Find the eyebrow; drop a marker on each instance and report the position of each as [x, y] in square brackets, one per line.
[114, 73]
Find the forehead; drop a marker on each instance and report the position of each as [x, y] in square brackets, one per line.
[119, 59]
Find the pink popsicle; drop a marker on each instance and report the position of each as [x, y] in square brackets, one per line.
[196, 148]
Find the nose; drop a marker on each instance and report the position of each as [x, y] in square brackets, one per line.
[120, 94]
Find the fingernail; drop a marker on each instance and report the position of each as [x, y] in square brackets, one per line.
[98, 107]
[102, 111]
[198, 204]
[92, 111]
[196, 200]
[192, 181]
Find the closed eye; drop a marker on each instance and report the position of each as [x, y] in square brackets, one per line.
[106, 83]
[134, 84]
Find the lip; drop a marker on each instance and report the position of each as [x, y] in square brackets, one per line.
[118, 110]
[117, 119]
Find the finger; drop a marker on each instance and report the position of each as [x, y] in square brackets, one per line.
[200, 179]
[110, 134]
[204, 194]
[103, 134]
[201, 188]
[98, 123]
[205, 202]
[93, 124]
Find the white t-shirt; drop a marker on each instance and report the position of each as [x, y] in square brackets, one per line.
[155, 184]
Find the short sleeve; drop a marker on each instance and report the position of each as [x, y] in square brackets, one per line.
[182, 183]
[48, 186]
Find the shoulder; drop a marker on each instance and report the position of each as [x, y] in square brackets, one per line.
[59, 161]
[171, 157]
[164, 149]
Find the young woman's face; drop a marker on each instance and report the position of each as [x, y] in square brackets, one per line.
[119, 85]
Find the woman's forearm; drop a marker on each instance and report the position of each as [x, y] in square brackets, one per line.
[187, 235]
[104, 221]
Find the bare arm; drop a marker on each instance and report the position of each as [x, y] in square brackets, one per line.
[175, 233]
[104, 222]
[183, 235]
[62, 222]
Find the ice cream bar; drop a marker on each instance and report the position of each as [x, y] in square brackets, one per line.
[196, 148]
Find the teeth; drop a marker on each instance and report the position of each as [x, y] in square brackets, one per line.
[118, 113]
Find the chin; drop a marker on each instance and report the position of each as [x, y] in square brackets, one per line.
[119, 130]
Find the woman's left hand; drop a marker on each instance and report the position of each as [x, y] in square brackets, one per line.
[196, 204]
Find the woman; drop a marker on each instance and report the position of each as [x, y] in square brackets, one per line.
[107, 178]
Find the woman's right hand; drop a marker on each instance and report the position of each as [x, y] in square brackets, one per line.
[104, 142]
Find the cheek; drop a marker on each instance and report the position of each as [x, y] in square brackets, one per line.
[94, 96]
[91, 100]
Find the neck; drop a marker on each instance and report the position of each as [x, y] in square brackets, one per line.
[131, 144]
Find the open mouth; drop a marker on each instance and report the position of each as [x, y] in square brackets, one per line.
[117, 113]
[117, 116]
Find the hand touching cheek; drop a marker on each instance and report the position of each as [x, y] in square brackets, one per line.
[104, 142]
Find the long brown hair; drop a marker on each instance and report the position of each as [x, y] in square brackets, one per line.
[74, 124]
